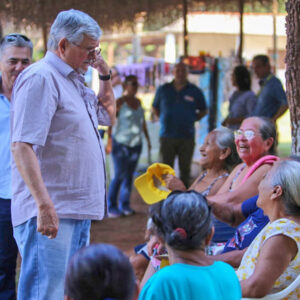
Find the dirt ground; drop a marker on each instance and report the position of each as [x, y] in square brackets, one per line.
[124, 232]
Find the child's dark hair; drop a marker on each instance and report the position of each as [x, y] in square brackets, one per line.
[100, 271]
[183, 220]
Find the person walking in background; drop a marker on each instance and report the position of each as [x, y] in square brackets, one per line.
[58, 170]
[125, 144]
[15, 56]
[242, 101]
[178, 104]
[271, 101]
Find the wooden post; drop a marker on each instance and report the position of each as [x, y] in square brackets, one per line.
[241, 41]
[275, 54]
[185, 31]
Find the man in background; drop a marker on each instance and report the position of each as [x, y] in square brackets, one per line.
[15, 56]
[271, 98]
[179, 104]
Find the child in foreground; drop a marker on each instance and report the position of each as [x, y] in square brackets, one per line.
[100, 271]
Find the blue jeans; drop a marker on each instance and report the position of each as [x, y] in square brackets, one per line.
[44, 260]
[125, 160]
[8, 253]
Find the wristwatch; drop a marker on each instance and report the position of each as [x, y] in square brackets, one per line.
[105, 77]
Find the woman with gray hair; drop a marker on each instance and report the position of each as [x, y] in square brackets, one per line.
[218, 157]
[183, 223]
[272, 261]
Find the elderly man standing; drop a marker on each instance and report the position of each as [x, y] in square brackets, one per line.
[15, 56]
[179, 104]
[58, 169]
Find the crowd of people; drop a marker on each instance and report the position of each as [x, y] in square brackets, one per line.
[242, 205]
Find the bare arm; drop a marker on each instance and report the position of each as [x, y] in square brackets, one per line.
[28, 166]
[173, 183]
[229, 213]
[108, 147]
[201, 114]
[282, 109]
[244, 191]
[145, 129]
[233, 258]
[106, 95]
[156, 112]
[270, 265]
[149, 272]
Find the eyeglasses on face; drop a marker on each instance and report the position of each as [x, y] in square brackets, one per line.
[13, 37]
[89, 51]
[248, 134]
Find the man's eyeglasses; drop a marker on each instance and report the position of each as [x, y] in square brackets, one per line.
[248, 134]
[14, 37]
[89, 51]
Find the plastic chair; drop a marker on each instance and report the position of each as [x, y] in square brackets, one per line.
[281, 294]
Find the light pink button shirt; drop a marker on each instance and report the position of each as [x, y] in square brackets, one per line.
[54, 111]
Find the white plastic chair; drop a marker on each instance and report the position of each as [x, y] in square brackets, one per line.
[281, 294]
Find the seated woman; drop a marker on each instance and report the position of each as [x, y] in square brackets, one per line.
[100, 271]
[255, 142]
[272, 261]
[218, 157]
[184, 224]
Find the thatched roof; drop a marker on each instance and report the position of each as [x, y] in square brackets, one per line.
[108, 13]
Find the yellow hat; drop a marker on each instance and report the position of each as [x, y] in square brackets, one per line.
[151, 184]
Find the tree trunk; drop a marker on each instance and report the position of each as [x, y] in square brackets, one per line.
[241, 40]
[293, 69]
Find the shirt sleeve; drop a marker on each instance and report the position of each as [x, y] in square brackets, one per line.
[158, 288]
[200, 100]
[249, 206]
[34, 103]
[279, 93]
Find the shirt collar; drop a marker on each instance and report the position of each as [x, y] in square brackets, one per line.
[264, 80]
[58, 63]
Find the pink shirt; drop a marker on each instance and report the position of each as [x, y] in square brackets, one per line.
[54, 111]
